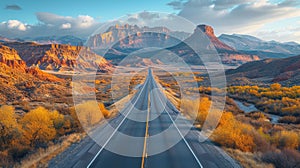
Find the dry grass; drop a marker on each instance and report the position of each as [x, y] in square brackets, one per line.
[43, 156]
[247, 159]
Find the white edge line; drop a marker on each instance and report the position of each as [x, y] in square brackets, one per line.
[187, 144]
[117, 127]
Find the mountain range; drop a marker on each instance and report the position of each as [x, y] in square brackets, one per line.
[60, 53]
[57, 57]
[204, 39]
[283, 70]
[125, 39]
[265, 49]
[69, 40]
[127, 36]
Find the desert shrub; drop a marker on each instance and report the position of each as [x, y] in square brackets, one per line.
[256, 115]
[5, 159]
[234, 134]
[91, 113]
[190, 106]
[60, 123]
[288, 120]
[287, 158]
[286, 139]
[262, 141]
[18, 151]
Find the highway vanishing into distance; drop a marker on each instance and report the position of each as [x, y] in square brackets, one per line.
[163, 138]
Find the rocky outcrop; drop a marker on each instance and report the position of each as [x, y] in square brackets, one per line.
[205, 41]
[28, 84]
[36, 72]
[209, 31]
[60, 57]
[11, 58]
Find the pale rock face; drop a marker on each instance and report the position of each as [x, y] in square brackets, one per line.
[128, 36]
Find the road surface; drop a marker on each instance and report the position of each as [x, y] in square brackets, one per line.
[165, 139]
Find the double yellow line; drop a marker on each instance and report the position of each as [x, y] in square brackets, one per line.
[146, 133]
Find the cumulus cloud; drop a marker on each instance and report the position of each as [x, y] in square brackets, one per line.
[14, 25]
[51, 24]
[236, 16]
[82, 21]
[13, 7]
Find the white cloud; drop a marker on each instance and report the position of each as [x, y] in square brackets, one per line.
[236, 16]
[16, 25]
[66, 26]
[84, 21]
[51, 24]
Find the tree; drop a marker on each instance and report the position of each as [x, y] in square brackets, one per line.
[38, 126]
[9, 128]
[58, 122]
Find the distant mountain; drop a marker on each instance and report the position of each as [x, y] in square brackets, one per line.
[265, 49]
[70, 40]
[283, 70]
[5, 39]
[124, 39]
[127, 36]
[227, 54]
[60, 57]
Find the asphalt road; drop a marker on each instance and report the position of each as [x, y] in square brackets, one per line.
[165, 139]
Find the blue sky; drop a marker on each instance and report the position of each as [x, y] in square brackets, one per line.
[101, 10]
[267, 19]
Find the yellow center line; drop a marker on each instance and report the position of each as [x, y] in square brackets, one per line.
[146, 133]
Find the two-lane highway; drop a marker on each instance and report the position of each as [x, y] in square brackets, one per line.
[163, 138]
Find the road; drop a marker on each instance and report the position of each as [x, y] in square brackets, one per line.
[164, 138]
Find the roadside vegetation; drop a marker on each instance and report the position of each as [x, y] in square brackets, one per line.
[251, 138]
[41, 131]
[278, 100]
[266, 143]
[36, 129]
